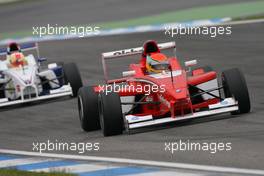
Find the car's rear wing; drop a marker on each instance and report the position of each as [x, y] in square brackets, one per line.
[130, 52]
[134, 51]
[23, 47]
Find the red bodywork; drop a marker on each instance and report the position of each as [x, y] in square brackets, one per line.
[175, 101]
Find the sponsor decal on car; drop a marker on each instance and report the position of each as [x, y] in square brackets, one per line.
[127, 51]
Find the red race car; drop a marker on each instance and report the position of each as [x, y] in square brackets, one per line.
[159, 90]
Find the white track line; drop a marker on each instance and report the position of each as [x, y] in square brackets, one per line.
[22, 161]
[233, 23]
[166, 173]
[76, 168]
[243, 22]
[140, 162]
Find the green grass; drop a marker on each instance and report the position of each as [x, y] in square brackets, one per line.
[7, 1]
[253, 17]
[13, 172]
[11, 2]
[235, 11]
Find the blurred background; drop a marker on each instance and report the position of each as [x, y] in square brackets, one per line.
[17, 17]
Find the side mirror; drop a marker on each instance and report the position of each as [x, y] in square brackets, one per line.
[42, 59]
[190, 63]
[128, 73]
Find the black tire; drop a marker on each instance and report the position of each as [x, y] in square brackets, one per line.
[110, 114]
[2, 92]
[234, 84]
[88, 109]
[72, 76]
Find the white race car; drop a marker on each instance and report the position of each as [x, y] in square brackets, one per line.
[34, 81]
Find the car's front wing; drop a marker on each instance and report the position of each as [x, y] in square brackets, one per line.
[65, 90]
[134, 122]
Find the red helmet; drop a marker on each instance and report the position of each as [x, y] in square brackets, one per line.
[12, 47]
[150, 46]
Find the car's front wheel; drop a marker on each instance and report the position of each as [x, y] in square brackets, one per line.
[234, 85]
[110, 113]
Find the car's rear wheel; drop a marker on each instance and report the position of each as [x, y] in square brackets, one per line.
[88, 109]
[110, 113]
[72, 76]
[234, 85]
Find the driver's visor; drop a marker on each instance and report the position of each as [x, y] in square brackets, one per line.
[160, 66]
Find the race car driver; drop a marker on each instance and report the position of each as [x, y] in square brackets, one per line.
[14, 56]
[156, 63]
[152, 60]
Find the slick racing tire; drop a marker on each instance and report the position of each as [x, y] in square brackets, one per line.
[110, 114]
[72, 76]
[88, 109]
[2, 92]
[234, 85]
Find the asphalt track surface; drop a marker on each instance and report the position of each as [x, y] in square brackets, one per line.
[58, 120]
[22, 16]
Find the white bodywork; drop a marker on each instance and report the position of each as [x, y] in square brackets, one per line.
[209, 85]
[22, 84]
